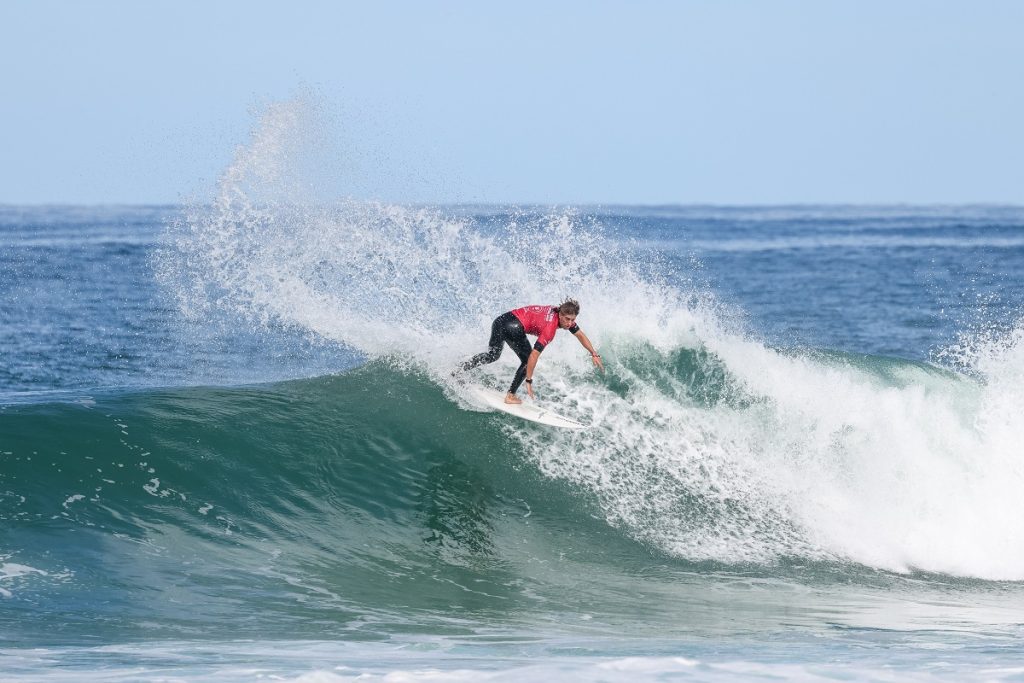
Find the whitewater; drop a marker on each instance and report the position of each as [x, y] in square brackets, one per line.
[232, 446]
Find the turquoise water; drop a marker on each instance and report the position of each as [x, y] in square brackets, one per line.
[366, 520]
[231, 447]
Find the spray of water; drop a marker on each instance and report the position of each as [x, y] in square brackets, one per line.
[706, 444]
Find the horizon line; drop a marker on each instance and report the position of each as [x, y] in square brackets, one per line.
[567, 205]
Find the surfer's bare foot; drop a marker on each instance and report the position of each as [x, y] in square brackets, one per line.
[511, 398]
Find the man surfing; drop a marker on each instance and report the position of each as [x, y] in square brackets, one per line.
[541, 321]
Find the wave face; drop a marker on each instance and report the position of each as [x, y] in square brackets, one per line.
[361, 504]
[310, 503]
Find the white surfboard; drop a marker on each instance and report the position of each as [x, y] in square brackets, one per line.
[527, 411]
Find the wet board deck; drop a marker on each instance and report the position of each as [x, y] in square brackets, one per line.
[526, 410]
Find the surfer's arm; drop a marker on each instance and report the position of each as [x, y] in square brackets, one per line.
[585, 341]
[531, 363]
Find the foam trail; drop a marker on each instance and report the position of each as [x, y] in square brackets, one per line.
[706, 443]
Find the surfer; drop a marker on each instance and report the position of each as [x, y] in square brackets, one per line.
[541, 321]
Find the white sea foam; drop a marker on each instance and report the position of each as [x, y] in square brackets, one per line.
[72, 499]
[797, 454]
[822, 460]
[13, 570]
[334, 662]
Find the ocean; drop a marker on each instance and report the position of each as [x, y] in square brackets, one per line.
[231, 447]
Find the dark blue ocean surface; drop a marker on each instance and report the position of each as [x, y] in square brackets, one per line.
[81, 309]
[901, 281]
[231, 446]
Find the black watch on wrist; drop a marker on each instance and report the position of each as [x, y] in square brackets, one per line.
[529, 381]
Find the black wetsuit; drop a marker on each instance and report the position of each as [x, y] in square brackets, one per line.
[506, 329]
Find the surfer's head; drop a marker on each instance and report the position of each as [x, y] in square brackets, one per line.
[567, 312]
[569, 307]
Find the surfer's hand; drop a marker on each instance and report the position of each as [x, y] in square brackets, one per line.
[597, 362]
[529, 389]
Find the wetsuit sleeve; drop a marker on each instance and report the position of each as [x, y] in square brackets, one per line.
[575, 328]
[537, 346]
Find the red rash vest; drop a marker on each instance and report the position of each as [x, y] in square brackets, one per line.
[541, 321]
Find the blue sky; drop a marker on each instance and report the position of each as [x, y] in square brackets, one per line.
[755, 102]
